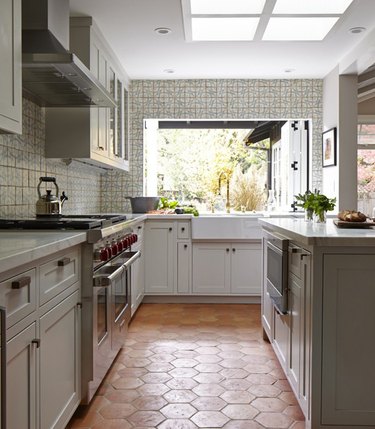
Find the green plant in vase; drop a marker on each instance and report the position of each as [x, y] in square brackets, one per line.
[322, 205]
[307, 202]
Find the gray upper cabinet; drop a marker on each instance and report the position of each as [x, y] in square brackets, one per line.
[97, 136]
[10, 67]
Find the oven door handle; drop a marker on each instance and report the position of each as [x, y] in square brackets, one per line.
[274, 248]
[127, 264]
[105, 280]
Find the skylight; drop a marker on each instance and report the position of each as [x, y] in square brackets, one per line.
[315, 7]
[298, 28]
[268, 20]
[211, 29]
[232, 7]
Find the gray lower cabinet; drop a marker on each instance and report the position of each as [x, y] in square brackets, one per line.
[59, 364]
[10, 67]
[160, 241]
[43, 341]
[348, 370]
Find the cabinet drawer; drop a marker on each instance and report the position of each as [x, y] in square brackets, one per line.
[18, 296]
[58, 274]
[295, 260]
[183, 230]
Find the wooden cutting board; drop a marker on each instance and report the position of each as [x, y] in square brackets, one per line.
[343, 224]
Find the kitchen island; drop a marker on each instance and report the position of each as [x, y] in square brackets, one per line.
[324, 341]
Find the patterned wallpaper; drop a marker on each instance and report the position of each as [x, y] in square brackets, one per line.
[212, 99]
[22, 162]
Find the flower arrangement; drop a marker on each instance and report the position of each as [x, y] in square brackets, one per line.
[316, 204]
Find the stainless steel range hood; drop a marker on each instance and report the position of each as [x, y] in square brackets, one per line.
[51, 75]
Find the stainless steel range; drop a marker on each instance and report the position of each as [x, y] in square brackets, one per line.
[106, 275]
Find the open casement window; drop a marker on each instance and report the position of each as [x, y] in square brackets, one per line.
[290, 163]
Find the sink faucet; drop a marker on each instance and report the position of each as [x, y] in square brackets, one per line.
[223, 174]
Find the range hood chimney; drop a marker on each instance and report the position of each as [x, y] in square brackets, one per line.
[51, 75]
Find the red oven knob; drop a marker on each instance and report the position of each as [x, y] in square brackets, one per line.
[103, 254]
[135, 238]
[120, 245]
[114, 248]
[109, 249]
[125, 242]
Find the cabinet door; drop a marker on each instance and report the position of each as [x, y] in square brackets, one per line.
[246, 268]
[211, 268]
[267, 305]
[281, 337]
[137, 281]
[159, 257]
[296, 328]
[184, 267]
[60, 363]
[348, 355]
[21, 390]
[10, 66]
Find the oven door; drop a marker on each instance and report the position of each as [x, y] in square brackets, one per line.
[103, 354]
[277, 276]
[121, 299]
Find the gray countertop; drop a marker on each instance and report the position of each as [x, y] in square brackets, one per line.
[321, 234]
[21, 247]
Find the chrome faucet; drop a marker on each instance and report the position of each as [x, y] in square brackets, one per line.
[227, 205]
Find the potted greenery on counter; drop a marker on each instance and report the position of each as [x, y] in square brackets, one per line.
[316, 205]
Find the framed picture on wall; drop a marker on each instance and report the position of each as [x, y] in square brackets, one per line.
[329, 147]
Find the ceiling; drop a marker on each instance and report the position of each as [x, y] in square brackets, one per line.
[128, 26]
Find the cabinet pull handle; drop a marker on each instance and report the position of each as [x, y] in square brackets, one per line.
[185, 246]
[36, 341]
[79, 304]
[22, 282]
[117, 155]
[227, 250]
[100, 147]
[304, 255]
[170, 229]
[62, 262]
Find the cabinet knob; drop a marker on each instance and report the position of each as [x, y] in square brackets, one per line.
[22, 282]
[170, 229]
[139, 227]
[36, 341]
[185, 246]
[79, 304]
[227, 250]
[182, 229]
[233, 250]
[62, 262]
[100, 147]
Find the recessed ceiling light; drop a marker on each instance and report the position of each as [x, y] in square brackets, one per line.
[311, 6]
[357, 30]
[289, 70]
[170, 71]
[298, 29]
[163, 31]
[226, 7]
[223, 29]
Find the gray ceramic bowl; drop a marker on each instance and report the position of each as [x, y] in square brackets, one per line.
[143, 204]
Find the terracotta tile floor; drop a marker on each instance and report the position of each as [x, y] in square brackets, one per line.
[194, 366]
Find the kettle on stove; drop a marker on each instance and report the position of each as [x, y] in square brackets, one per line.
[48, 204]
